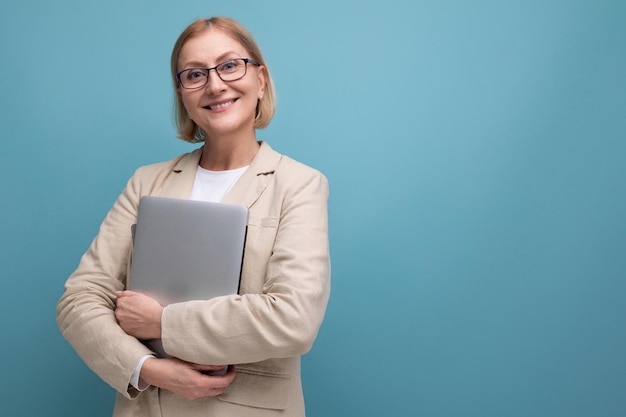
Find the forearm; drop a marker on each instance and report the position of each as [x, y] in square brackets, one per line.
[85, 312]
[240, 329]
[90, 327]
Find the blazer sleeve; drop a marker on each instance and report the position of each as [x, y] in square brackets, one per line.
[283, 319]
[85, 312]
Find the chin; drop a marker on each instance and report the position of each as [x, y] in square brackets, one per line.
[226, 128]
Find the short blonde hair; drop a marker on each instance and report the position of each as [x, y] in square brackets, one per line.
[187, 129]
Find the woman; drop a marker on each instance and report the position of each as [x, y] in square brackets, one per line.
[224, 92]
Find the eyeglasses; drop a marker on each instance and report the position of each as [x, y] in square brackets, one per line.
[231, 70]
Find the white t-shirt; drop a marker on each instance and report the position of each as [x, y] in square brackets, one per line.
[213, 186]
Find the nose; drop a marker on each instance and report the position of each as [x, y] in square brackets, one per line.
[214, 83]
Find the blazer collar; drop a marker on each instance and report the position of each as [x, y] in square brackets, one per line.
[245, 191]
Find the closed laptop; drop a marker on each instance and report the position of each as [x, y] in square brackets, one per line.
[187, 250]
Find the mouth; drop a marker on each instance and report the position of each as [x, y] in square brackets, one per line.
[220, 106]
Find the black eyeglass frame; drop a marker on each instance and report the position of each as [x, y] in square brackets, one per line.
[208, 70]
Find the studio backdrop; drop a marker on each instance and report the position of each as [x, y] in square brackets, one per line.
[476, 157]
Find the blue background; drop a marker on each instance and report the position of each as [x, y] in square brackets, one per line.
[476, 155]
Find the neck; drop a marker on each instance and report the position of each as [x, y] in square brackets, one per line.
[222, 155]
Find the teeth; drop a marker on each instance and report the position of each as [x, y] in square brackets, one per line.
[222, 105]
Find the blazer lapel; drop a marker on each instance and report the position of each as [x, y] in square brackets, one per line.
[252, 183]
[181, 178]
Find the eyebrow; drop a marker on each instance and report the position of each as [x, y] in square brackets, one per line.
[221, 58]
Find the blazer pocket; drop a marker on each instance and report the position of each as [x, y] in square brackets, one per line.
[261, 235]
[263, 221]
[259, 389]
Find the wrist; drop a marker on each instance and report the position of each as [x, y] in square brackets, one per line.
[149, 370]
[154, 327]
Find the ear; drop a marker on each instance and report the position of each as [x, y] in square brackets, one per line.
[262, 80]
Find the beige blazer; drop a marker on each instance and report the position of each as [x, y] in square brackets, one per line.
[264, 329]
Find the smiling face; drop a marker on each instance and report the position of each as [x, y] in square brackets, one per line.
[222, 109]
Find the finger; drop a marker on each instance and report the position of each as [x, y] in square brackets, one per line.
[230, 374]
[224, 380]
[205, 368]
[126, 293]
[220, 381]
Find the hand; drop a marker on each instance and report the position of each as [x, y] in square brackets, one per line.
[186, 379]
[138, 314]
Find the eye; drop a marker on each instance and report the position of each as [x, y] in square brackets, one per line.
[229, 66]
[195, 74]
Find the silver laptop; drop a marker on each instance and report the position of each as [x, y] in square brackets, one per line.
[187, 250]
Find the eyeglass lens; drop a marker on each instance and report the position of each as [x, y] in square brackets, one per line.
[230, 70]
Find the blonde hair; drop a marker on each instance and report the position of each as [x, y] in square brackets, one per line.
[187, 129]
